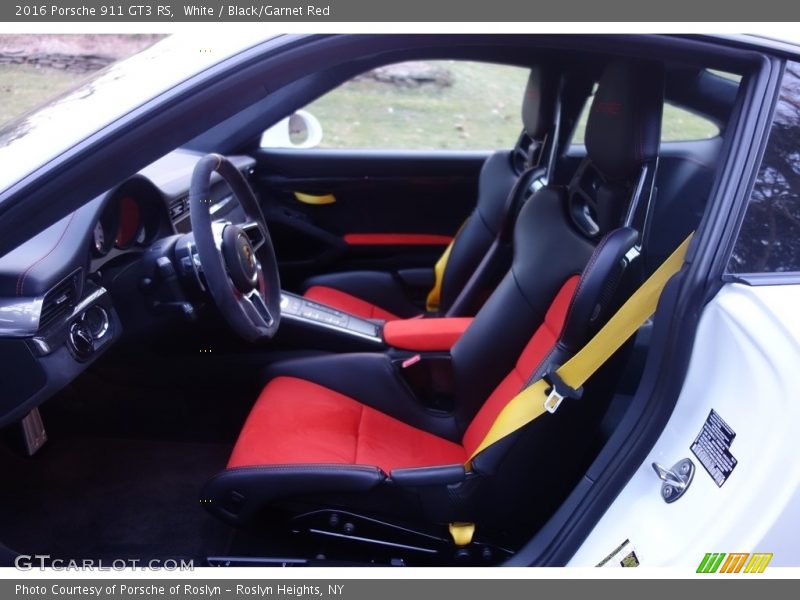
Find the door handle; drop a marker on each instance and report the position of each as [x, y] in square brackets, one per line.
[315, 199]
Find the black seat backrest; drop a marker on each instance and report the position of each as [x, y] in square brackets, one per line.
[685, 178]
[498, 176]
[560, 234]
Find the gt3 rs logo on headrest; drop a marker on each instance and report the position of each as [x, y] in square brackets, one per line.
[607, 107]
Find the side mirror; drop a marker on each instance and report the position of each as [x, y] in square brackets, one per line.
[299, 130]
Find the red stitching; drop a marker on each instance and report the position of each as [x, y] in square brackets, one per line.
[585, 274]
[24, 275]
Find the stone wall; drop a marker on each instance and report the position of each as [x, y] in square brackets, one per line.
[77, 63]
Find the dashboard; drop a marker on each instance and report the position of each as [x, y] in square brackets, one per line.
[57, 314]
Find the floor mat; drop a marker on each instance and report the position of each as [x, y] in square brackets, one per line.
[111, 498]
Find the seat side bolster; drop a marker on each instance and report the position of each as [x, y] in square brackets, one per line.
[428, 476]
[235, 495]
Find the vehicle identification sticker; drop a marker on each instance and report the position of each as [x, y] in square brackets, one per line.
[712, 448]
[623, 555]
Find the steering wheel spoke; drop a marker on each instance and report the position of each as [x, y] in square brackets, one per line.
[238, 260]
[255, 232]
[256, 310]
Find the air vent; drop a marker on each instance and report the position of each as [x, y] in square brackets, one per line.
[59, 301]
[178, 207]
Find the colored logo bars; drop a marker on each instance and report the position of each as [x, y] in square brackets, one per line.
[736, 562]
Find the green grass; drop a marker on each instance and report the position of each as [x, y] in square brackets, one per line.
[23, 87]
[480, 110]
[681, 125]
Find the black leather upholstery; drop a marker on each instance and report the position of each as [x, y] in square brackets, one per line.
[547, 251]
[623, 131]
[481, 228]
[423, 476]
[237, 494]
[685, 178]
[562, 442]
[593, 299]
[622, 138]
[538, 105]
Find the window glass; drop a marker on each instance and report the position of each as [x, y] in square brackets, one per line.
[424, 105]
[726, 75]
[769, 240]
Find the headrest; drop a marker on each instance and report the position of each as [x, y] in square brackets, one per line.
[624, 127]
[539, 103]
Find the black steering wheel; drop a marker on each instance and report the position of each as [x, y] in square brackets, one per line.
[238, 260]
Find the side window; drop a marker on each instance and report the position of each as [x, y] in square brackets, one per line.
[680, 125]
[677, 125]
[421, 105]
[769, 240]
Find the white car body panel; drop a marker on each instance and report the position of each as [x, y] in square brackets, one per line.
[746, 366]
[69, 119]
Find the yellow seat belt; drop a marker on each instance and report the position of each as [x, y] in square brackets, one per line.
[432, 303]
[541, 396]
[434, 296]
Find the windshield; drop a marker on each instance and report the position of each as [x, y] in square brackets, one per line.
[37, 137]
[36, 68]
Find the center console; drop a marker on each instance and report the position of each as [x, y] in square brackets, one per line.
[325, 323]
[419, 348]
[336, 330]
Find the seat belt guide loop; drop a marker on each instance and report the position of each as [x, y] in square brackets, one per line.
[462, 533]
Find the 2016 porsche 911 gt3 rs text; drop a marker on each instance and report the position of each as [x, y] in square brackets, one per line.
[339, 299]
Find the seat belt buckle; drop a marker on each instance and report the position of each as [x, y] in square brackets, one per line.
[558, 391]
[553, 401]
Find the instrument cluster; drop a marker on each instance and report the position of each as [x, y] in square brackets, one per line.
[132, 218]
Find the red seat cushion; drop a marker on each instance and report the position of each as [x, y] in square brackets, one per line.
[295, 421]
[347, 303]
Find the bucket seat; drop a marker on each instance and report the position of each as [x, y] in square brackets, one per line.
[504, 180]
